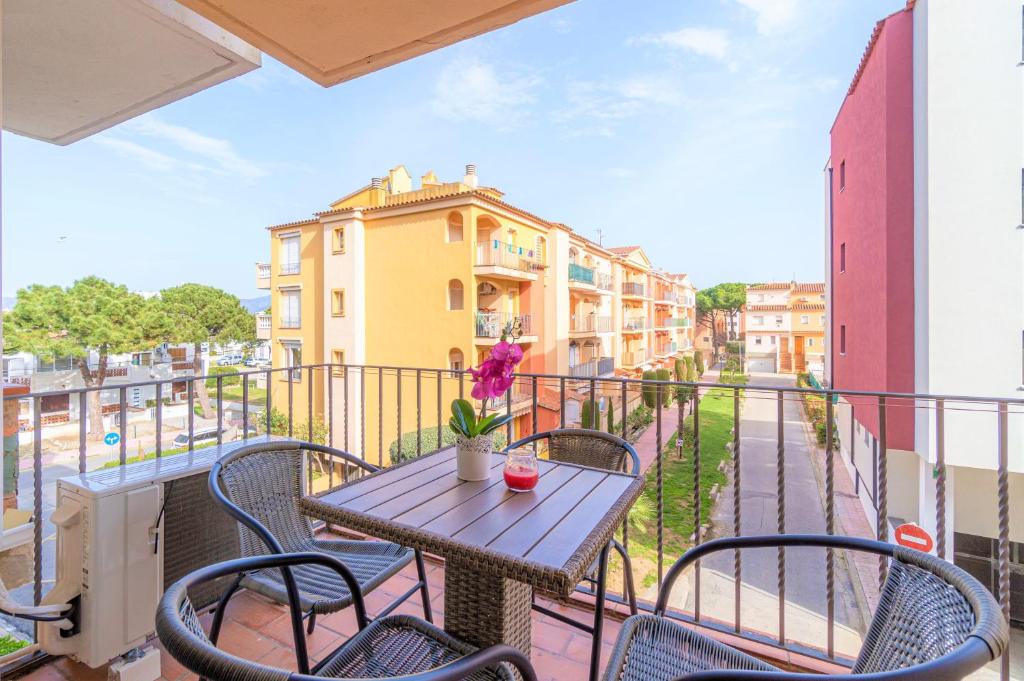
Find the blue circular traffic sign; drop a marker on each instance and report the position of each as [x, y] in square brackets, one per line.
[111, 439]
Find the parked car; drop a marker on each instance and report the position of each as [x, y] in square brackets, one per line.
[203, 436]
[252, 362]
[229, 359]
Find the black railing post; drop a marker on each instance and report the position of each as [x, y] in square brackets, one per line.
[661, 487]
[220, 408]
[696, 500]
[1003, 495]
[309, 404]
[245, 406]
[37, 500]
[736, 508]
[940, 478]
[780, 494]
[269, 405]
[122, 428]
[883, 486]
[830, 524]
[419, 412]
[83, 409]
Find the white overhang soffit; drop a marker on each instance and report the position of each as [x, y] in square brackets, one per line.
[331, 42]
[72, 68]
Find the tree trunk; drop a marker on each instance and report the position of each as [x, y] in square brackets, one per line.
[200, 386]
[95, 416]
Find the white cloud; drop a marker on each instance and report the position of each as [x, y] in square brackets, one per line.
[706, 42]
[474, 91]
[148, 157]
[220, 152]
[603, 103]
[772, 16]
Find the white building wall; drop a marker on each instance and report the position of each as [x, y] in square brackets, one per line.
[969, 269]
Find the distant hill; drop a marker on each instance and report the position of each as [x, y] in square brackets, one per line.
[253, 304]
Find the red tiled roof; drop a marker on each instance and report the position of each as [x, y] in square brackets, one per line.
[766, 308]
[623, 250]
[811, 288]
[776, 286]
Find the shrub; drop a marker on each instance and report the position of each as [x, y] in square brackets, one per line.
[233, 379]
[611, 416]
[650, 391]
[588, 419]
[279, 426]
[664, 390]
[428, 442]
[680, 369]
[640, 417]
[698, 360]
[732, 364]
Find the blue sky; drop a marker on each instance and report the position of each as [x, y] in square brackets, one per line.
[696, 129]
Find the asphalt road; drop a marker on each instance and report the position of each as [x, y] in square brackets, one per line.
[804, 507]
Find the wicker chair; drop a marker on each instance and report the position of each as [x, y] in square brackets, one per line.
[595, 449]
[398, 646]
[934, 622]
[260, 486]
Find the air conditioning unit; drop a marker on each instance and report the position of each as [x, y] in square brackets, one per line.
[123, 536]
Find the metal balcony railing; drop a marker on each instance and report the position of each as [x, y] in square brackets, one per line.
[634, 323]
[604, 324]
[632, 289]
[583, 323]
[291, 323]
[604, 281]
[489, 256]
[290, 268]
[581, 274]
[800, 600]
[584, 369]
[493, 324]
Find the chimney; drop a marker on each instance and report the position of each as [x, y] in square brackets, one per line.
[470, 177]
[375, 183]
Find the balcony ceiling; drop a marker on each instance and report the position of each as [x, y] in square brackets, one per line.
[72, 68]
[331, 42]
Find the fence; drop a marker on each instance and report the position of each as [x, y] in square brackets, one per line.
[745, 456]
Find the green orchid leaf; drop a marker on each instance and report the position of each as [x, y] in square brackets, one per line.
[496, 423]
[457, 427]
[481, 426]
[462, 411]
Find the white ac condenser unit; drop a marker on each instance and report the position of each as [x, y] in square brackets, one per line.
[123, 536]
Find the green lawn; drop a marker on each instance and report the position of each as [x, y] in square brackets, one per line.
[152, 455]
[716, 420]
[9, 644]
[257, 396]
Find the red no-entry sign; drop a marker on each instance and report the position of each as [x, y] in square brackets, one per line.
[914, 537]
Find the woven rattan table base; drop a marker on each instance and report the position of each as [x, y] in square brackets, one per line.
[485, 609]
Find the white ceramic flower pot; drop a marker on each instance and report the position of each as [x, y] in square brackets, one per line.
[473, 457]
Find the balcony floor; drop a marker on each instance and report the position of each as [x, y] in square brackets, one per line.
[259, 629]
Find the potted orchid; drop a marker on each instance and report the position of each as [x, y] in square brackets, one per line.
[474, 439]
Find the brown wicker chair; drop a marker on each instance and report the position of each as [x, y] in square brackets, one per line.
[394, 647]
[934, 623]
[594, 449]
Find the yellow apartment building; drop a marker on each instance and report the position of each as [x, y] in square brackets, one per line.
[416, 281]
[785, 327]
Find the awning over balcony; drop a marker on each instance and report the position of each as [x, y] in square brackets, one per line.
[72, 69]
[334, 42]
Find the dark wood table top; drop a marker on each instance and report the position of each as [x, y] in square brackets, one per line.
[547, 537]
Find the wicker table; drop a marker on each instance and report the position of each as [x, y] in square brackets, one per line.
[497, 545]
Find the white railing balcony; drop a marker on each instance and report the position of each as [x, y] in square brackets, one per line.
[290, 268]
[263, 324]
[493, 324]
[263, 275]
[291, 323]
[585, 369]
[502, 263]
[634, 324]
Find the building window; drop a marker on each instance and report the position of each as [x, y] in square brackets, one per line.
[842, 339]
[810, 342]
[290, 254]
[842, 257]
[758, 320]
[339, 239]
[805, 319]
[822, 321]
[771, 339]
[538, 250]
[455, 359]
[455, 294]
[454, 227]
[842, 175]
[778, 320]
[293, 360]
[338, 360]
[757, 340]
[291, 309]
[338, 302]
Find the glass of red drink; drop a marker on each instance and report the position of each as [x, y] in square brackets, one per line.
[521, 471]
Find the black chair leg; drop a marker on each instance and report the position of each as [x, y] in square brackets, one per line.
[602, 578]
[312, 623]
[421, 570]
[222, 605]
[627, 566]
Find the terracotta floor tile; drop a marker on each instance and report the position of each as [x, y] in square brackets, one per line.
[244, 642]
[553, 667]
[47, 672]
[253, 610]
[80, 672]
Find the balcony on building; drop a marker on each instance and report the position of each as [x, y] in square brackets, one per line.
[263, 275]
[604, 282]
[633, 290]
[263, 324]
[631, 359]
[290, 267]
[634, 324]
[490, 325]
[581, 278]
[501, 261]
[290, 323]
[593, 367]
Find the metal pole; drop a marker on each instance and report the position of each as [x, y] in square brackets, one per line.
[736, 508]
[780, 493]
